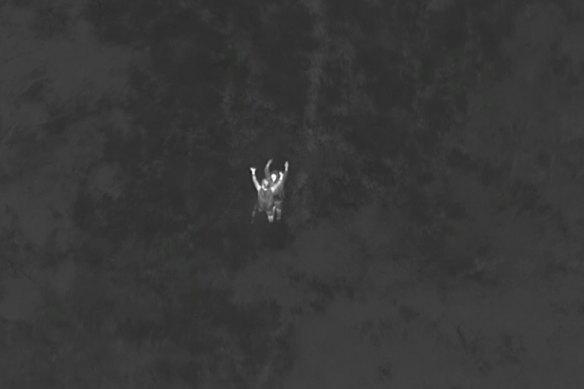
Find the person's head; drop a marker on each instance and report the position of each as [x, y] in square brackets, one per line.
[265, 184]
[274, 176]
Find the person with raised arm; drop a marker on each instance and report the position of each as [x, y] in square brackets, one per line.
[270, 192]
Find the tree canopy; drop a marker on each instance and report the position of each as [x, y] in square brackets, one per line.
[427, 139]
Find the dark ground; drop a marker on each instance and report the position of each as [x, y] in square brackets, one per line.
[434, 217]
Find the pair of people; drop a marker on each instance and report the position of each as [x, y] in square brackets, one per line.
[270, 192]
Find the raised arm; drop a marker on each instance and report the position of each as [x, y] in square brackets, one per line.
[267, 169]
[254, 179]
[279, 183]
[281, 178]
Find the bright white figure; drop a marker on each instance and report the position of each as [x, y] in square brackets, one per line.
[270, 192]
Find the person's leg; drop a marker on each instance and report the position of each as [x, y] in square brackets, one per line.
[270, 214]
[278, 210]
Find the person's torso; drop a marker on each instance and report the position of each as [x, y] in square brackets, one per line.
[279, 192]
[265, 198]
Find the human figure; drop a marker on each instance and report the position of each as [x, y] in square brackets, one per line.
[272, 177]
[266, 201]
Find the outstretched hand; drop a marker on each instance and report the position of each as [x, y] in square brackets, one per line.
[252, 170]
[286, 165]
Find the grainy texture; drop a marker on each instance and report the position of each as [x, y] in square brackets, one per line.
[432, 229]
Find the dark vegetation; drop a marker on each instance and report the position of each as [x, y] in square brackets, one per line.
[441, 138]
